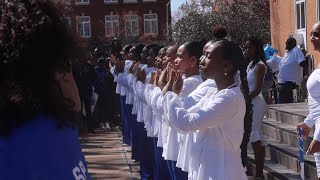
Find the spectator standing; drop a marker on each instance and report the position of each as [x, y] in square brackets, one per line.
[290, 71]
[38, 95]
[103, 87]
[256, 71]
[87, 77]
[313, 119]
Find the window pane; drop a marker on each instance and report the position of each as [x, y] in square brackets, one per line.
[115, 28]
[318, 10]
[154, 27]
[147, 27]
[298, 16]
[108, 29]
[87, 29]
[135, 27]
[80, 29]
[303, 18]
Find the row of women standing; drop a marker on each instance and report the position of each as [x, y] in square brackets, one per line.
[186, 109]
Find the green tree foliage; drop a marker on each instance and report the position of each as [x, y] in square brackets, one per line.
[242, 18]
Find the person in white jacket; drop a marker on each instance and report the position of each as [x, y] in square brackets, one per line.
[218, 116]
[313, 86]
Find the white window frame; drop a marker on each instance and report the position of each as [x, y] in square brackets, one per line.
[82, 34]
[112, 21]
[150, 20]
[110, 1]
[318, 10]
[130, 20]
[130, 1]
[301, 30]
[296, 15]
[82, 2]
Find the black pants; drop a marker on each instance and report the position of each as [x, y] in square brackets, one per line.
[103, 109]
[86, 101]
[285, 92]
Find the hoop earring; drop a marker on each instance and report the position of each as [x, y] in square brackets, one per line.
[225, 72]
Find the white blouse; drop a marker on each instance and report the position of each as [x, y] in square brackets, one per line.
[171, 145]
[186, 140]
[313, 86]
[219, 117]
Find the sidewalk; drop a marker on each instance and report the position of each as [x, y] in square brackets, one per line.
[107, 158]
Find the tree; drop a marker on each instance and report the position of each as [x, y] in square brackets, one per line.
[242, 18]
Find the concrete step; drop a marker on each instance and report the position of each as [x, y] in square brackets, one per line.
[287, 116]
[283, 132]
[272, 170]
[288, 156]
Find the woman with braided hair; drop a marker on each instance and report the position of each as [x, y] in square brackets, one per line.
[38, 95]
[256, 71]
[218, 118]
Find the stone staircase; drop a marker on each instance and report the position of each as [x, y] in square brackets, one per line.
[282, 152]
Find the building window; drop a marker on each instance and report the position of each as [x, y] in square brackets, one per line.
[110, 1]
[130, 1]
[67, 21]
[83, 26]
[318, 10]
[67, 1]
[82, 2]
[112, 25]
[151, 24]
[132, 24]
[300, 14]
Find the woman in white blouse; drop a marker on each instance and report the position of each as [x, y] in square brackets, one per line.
[218, 116]
[313, 86]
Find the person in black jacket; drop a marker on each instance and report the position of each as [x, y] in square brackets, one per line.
[87, 77]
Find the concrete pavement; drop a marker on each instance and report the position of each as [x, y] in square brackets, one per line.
[107, 158]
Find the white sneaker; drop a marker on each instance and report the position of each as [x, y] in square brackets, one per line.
[107, 126]
[102, 126]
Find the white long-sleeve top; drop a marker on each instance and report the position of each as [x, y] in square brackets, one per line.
[143, 115]
[186, 140]
[171, 146]
[122, 82]
[219, 118]
[313, 86]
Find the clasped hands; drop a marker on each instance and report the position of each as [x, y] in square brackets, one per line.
[167, 80]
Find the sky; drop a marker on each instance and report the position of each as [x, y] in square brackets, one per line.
[175, 4]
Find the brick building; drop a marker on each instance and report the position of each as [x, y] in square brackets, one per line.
[130, 21]
[294, 18]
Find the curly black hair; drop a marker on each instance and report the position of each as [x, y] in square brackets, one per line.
[34, 44]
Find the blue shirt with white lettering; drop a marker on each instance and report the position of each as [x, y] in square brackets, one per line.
[39, 150]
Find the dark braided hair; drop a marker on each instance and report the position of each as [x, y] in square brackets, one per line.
[34, 45]
[232, 52]
[260, 55]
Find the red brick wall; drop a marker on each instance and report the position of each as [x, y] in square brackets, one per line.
[97, 10]
[282, 19]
